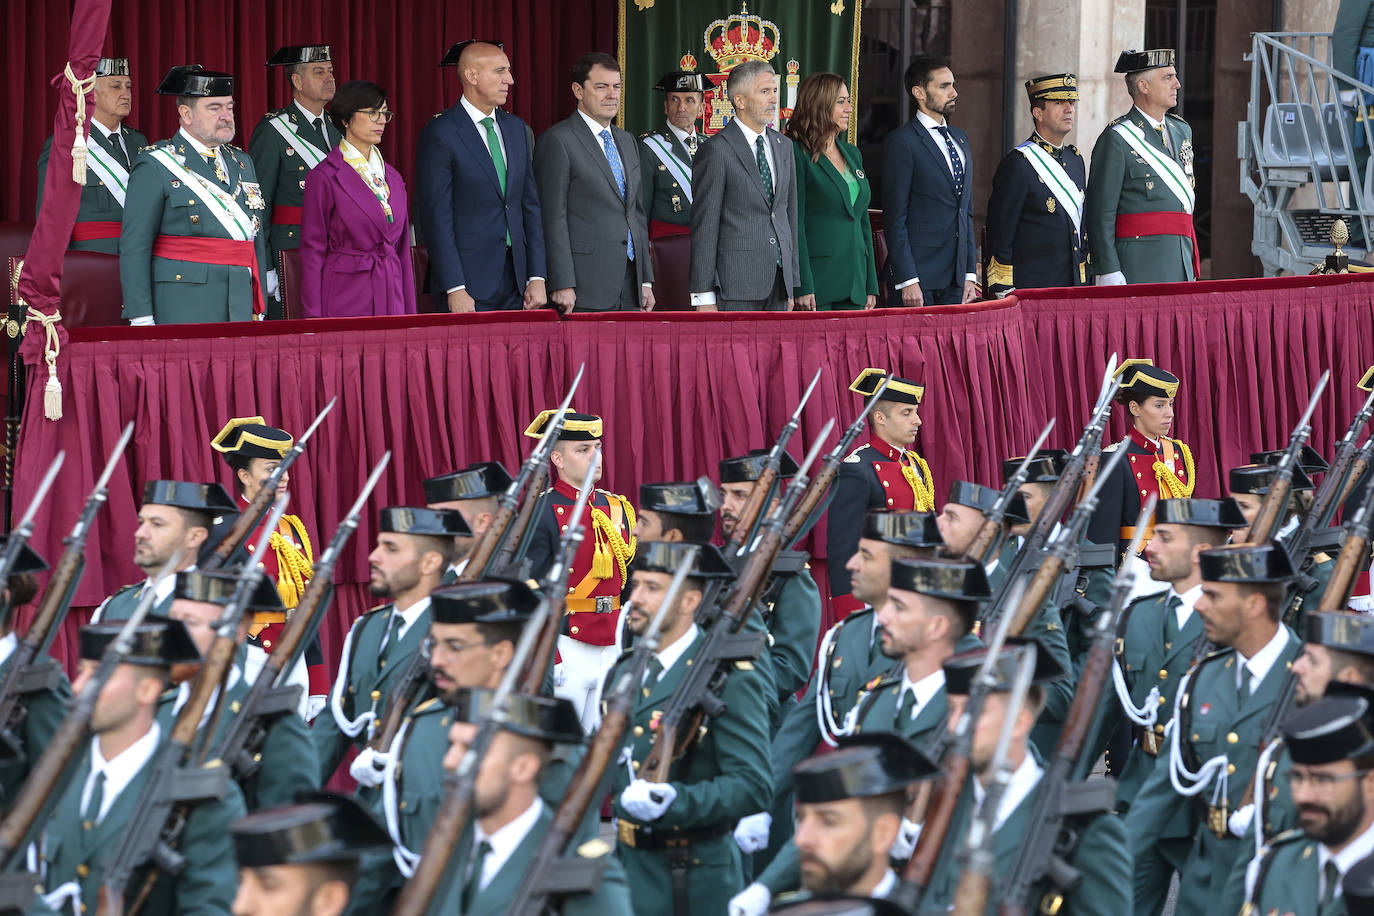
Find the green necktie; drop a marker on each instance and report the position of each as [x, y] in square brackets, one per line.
[908, 705]
[116, 147]
[393, 635]
[1171, 619]
[764, 171]
[92, 813]
[498, 159]
[475, 879]
[654, 673]
[318, 124]
[1333, 882]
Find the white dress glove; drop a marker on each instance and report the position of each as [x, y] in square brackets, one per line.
[751, 833]
[752, 901]
[905, 843]
[560, 675]
[368, 768]
[314, 705]
[142, 321]
[1240, 819]
[646, 801]
[271, 285]
[1115, 278]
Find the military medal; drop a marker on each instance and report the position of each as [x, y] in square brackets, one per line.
[175, 183]
[290, 151]
[1049, 204]
[253, 193]
[677, 204]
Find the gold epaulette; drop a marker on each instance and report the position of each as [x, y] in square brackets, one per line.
[853, 457]
[431, 703]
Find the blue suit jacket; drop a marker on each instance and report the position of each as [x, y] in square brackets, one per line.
[929, 230]
[463, 215]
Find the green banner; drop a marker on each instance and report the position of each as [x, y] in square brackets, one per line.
[796, 37]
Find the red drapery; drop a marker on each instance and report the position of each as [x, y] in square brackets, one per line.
[678, 392]
[397, 44]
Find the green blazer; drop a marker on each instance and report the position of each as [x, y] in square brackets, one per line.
[1280, 817]
[664, 197]
[834, 237]
[1289, 879]
[281, 170]
[43, 713]
[1217, 722]
[177, 291]
[121, 605]
[794, 623]
[75, 852]
[97, 203]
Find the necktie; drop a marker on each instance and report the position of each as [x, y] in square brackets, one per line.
[1243, 682]
[1164, 135]
[499, 160]
[691, 146]
[319, 129]
[1171, 619]
[764, 171]
[618, 170]
[117, 149]
[91, 814]
[654, 672]
[908, 707]
[1332, 874]
[213, 156]
[474, 884]
[956, 164]
[393, 634]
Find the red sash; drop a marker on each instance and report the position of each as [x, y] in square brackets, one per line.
[91, 230]
[658, 229]
[1164, 222]
[288, 216]
[228, 252]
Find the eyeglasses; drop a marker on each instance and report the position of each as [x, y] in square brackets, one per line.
[1321, 781]
[375, 114]
[451, 646]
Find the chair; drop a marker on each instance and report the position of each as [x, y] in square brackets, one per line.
[288, 280]
[671, 256]
[424, 302]
[14, 238]
[1294, 137]
[91, 294]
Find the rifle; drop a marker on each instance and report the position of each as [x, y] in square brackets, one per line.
[1063, 793]
[1354, 555]
[698, 697]
[830, 466]
[1363, 459]
[1345, 468]
[1075, 470]
[20, 534]
[1270, 517]
[1058, 556]
[175, 782]
[455, 810]
[989, 533]
[766, 484]
[954, 771]
[229, 551]
[551, 873]
[24, 677]
[502, 535]
[55, 766]
[270, 696]
[1090, 465]
[975, 883]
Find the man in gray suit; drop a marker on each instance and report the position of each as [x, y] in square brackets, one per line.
[744, 255]
[596, 234]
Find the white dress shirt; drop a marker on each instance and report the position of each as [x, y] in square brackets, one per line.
[310, 118]
[114, 136]
[120, 771]
[196, 144]
[408, 616]
[924, 689]
[668, 655]
[1356, 850]
[884, 888]
[504, 841]
[1258, 666]
[933, 128]
[682, 136]
[1187, 601]
[1023, 780]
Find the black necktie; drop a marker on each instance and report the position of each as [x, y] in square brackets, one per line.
[956, 164]
[1171, 619]
[908, 706]
[117, 150]
[1332, 873]
[474, 884]
[319, 129]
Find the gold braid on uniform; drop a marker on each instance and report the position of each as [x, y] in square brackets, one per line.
[1170, 487]
[608, 542]
[294, 567]
[922, 484]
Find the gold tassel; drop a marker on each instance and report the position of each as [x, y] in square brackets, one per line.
[923, 490]
[601, 554]
[609, 543]
[1170, 487]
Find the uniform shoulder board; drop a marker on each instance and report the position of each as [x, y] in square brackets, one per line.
[1120, 120]
[880, 682]
[1179, 118]
[646, 135]
[436, 114]
[861, 613]
[428, 705]
[232, 148]
[1321, 557]
[1287, 836]
[853, 457]
[1214, 654]
[1110, 448]
[274, 113]
[127, 588]
[596, 848]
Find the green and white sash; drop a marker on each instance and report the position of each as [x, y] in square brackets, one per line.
[664, 151]
[1172, 174]
[109, 169]
[225, 207]
[308, 151]
[1054, 176]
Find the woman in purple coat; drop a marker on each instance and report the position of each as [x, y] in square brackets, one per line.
[355, 228]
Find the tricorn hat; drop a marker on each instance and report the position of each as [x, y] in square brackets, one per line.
[863, 766]
[1329, 730]
[199, 497]
[747, 468]
[1246, 563]
[552, 719]
[1133, 61]
[1141, 378]
[494, 600]
[28, 560]
[941, 577]
[195, 80]
[251, 437]
[319, 827]
[1258, 478]
[681, 81]
[478, 480]
[1309, 459]
[438, 523]
[577, 427]
[977, 496]
[455, 51]
[218, 587]
[905, 527]
[112, 66]
[1343, 630]
[962, 669]
[288, 55]
[678, 498]
[903, 391]
[666, 556]
[1046, 467]
[1204, 513]
[158, 642]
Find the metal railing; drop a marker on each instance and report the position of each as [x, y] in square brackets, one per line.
[1304, 148]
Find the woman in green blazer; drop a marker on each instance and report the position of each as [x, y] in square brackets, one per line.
[834, 238]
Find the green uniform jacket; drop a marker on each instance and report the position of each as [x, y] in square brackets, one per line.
[1280, 817]
[43, 713]
[834, 236]
[1100, 854]
[176, 291]
[1299, 602]
[664, 197]
[794, 624]
[121, 605]
[365, 680]
[1121, 181]
[288, 754]
[1149, 661]
[97, 203]
[721, 778]
[1288, 880]
[1354, 29]
[1215, 721]
[281, 170]
[205, 887]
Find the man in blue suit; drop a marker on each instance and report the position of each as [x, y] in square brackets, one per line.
[478, 206]
[928, 196]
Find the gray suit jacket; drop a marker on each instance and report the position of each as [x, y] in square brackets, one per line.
[585, 219]
[735, 237]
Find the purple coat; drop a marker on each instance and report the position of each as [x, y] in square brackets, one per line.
[353, 262]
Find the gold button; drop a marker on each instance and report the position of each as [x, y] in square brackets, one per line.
[1137, 475]
[291, 234]
[191, 201]
[267, 643]
[1161, 701]
[85, 825]
[1231, 769]
[1232, 738]
[645, 691]
[1143, 493]
[1159, 729]
[889, 502]
[636, 764]
[178, 276]
[83, 870]
[403, 806]
[639, 731]
[573, 630]
[571, 589]
[376, 695]
[1195, 736]
[1163, 674]
[1133, 459]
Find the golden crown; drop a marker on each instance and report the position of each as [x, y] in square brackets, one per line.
[740, 37]
[688, 61]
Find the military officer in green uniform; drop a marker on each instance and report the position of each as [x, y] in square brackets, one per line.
[303, 857]
[414, 547]
[110, 151]
[94, 811]
[46, 706]
[1219, 712]
[675, 836]
[1332, 781]
[1035, 212]
[176, 516]
[1138, 209]
[287, 144]
[666, 153]
[472, 493]
[473, 629]
[1100, 852]
[288, 755]
[1161, 635]
[192, 248]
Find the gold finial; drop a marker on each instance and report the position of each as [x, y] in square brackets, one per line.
[1340, 235]
[1337, 262]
